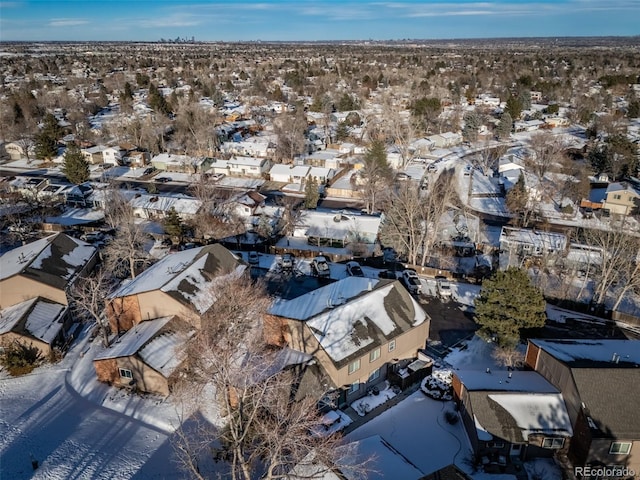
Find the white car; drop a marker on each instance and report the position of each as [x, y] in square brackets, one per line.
[320, 266]
[412, 281]
[444, 288]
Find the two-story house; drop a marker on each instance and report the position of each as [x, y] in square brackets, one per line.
[179, 284]
[34, 283]
[600, 383]
[357, 328]
[621, 199]
[248, 166]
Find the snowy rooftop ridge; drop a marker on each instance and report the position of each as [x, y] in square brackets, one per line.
[53, 260]
[134, 339]
[165, 353]
[181, 272]
[593, 353]
[327, 297]
[353, 314]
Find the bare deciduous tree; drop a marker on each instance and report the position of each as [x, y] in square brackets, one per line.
[547, 151]
[619, 253]
[127, 246]
[89, 295]
[266, 432]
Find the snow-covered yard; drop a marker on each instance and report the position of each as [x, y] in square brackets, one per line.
[366, 404]
[99, 433]
[417, 428]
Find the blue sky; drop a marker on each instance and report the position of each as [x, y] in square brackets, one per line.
[233, 20]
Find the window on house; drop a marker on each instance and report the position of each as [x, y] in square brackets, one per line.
[553, 443]
[355, 386]
[620, 448]
[124, 373]
[617, 197]
[392, 345]
[374, 355]
[354, 366]
[375, 375]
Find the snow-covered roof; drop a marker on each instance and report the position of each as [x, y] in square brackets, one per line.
[164, 203]
[246, 161]
[338, 225]
[37, 317]
[550, 241]
[53, 260]
[386, 461]
[354, 314]
[503, 381]
[134, 339]
[536, 413]
[165, 352]
[290, 170]
[593, 353]
[188, 276]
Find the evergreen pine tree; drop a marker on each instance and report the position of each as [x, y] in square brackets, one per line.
[75, 167]
[505, 126]
[311, 194]
[46, 147]
[507, 304]
[173, 224]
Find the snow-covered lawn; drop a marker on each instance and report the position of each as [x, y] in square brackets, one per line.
[473, 354]
[99, 433]
[366, 404]
[417, 428]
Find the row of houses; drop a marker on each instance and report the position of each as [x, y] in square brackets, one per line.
[356, 330]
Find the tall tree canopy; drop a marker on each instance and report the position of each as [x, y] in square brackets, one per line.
[75, 167]
[507, 304]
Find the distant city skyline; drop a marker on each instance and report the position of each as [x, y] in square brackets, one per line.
[272, 20]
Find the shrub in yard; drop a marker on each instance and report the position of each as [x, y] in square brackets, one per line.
[20, 359]
[451, 417]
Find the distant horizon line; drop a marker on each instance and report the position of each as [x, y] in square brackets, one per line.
[395, 40]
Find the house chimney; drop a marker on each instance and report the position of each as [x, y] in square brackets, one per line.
[370, 285]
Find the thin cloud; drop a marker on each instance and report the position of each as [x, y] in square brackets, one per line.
[67, 22]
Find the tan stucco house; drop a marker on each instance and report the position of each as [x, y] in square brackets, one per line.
[357, 329]
[37, 322]
[46, 268]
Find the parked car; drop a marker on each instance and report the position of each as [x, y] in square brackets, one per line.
[390, 274]
[354, 269]
[320, 266]
[412, 281]
[92, 237]
[254, 258]
[286, 262]
[162, 179]
[444, 288]
[217, 176]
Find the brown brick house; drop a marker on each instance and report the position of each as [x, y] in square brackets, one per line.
[600, 382]
[356, 328]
